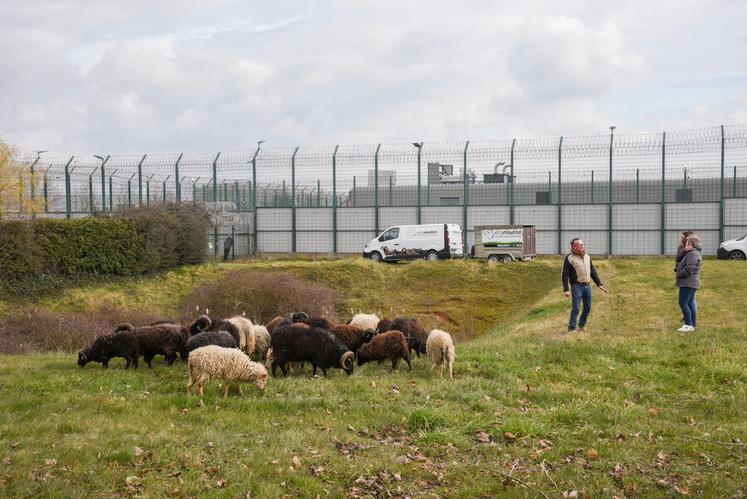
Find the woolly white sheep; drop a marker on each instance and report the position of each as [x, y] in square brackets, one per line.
[365, 321]
[229, 364]
[261, 342]
[246, 333]
[440, 349]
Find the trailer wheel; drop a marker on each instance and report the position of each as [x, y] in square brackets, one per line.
[504, 259]
[432, 255]
[493, 258]
[376, 256]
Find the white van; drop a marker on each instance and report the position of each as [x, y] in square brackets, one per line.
[407, 242]
[733, 249]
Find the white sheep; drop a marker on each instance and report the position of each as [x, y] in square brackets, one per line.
[261, 342]
[229, 364]
[246, 333]
[365, 321]
[440, 349]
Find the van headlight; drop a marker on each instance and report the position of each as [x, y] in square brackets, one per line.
[722, 245]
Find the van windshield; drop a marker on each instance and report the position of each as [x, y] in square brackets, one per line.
[742, 238]
[392, 233]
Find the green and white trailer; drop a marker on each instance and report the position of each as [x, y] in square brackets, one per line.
[504, 243]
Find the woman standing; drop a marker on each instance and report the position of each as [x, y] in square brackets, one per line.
[688, 280]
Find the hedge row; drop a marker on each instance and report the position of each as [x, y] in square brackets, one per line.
[137, 241]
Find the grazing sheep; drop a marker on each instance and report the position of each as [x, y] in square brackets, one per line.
[274, 323]
[261, 342]
[353, 337]
[243, 327]
[163, 339]
[299, 343]
[440, 348]
[219, 338]
[229, 364]
[384, 325]
[108, 346]
[202, 323]
[365, 321]
[319, 322]
[413, 331]
[391, 345]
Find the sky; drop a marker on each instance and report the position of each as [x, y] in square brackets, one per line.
[81, 76]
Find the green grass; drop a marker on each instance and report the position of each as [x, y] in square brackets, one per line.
[629, 409]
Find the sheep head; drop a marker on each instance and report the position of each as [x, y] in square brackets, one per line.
[299, 316]
[368, 335]
[261, 381]
[346, 362]
[124, 327]
[82, 358]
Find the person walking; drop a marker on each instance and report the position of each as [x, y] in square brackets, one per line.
[227, 244]
[688, 281]
[579, 271]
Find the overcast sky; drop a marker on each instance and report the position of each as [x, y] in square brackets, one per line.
[141, 76]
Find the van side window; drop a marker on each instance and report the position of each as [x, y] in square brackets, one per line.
[392, 233]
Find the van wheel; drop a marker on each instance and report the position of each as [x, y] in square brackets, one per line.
[736, 255]
[376, 256]
[432, 255]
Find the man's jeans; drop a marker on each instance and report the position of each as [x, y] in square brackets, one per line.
[580, 293]
[688, 305]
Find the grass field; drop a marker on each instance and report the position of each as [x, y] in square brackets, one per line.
[631, 408]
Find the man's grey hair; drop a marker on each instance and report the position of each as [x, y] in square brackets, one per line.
[694, 241]
[573, 241]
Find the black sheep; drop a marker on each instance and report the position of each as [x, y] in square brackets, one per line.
[296, 343]
[391, 345]
[220, 338]
[319, 322]
[163, 339]
[108, 346]
[413, 331]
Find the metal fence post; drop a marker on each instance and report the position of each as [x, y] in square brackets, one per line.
[609, 196]
[111, 204]
[68, 194]
[419, 146]
[33, 187]
[318, 193]
[140, 181]
[147, 190]
[511, 186]
[177, 182]
[637, 186]
[21, 189]
[465, 178]
[164, 188]
[663, 193]
[376, 189]
[560, 197]
[215, 199]
[334, 200]
[129, 190]
[90, 190]
[721, 213]
[233, 242]
[293, 200]
[46, 194]
[355, 201]
[592, 187]
[734, 183]
[103, 182]
[254, 198]
[236, 195]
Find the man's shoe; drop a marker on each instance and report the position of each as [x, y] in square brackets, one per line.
[582, 329]
[571, 330]
[686, 329]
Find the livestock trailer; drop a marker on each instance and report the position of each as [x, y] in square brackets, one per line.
[504, 243]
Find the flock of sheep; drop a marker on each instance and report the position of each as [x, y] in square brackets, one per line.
[237, 351]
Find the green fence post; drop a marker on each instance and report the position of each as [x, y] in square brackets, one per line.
[129, 190]
[721, 214]
[663, 193]
[637, 186]
[511, 186]
[164, 188]
[103, 181]
[33, 186]
[334, 200]
[225, 191]
[592, 187]
[46, 194]
[419, 146]
[140, 180]
[111, 197]
[293, 200]
[254, 198]
[233, 242]
[177, 182]
[609, 196]
[90, 190]
[236, 195]
[318, 193]
[147, 190]
[560, 197]
[355, 201]
[465, 178]
[734, 183]
[215, 199]
[376, 189]
[68, 194]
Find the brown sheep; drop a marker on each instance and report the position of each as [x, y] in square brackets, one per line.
[273, 324]
[413, 331]
[353, 337]
[391, 345]
[384, 325]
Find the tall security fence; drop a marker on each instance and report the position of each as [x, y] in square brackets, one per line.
[624, 194]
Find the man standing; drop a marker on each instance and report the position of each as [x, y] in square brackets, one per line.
[227, 244]
[580, 271]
